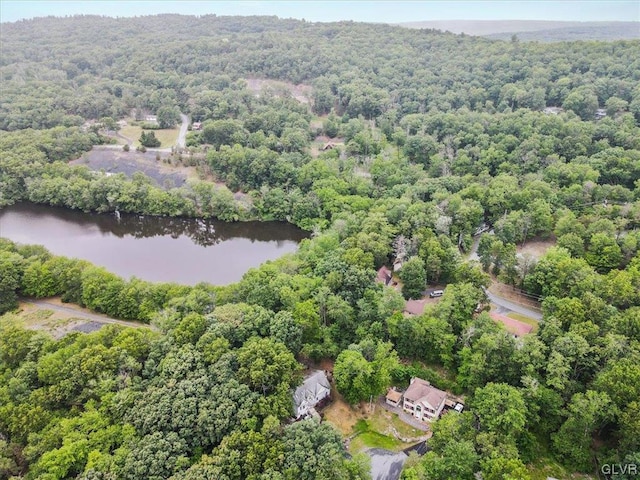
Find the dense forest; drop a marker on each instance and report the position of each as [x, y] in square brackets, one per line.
[433, 135]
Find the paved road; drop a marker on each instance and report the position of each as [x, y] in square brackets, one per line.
[386, 465]
[499, 301]
[182, 136]
[76, 313]
[514, 307]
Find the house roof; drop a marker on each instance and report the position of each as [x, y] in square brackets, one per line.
[422, 391]
[415, 307]
[384, 275]
[515, 327]
[394, 395]
[315, 386]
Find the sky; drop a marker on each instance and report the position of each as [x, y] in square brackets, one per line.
[318, 11]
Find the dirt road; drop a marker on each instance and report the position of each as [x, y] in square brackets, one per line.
[79, 312]
[182, 136]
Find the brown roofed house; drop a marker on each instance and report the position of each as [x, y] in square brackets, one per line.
[424, 401]
[415, 307]
[384, 275]
[514, 327]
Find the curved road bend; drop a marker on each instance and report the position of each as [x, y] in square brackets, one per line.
[502, 302]
[76, 313]
[515, 307]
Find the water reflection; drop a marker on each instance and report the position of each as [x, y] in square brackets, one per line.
[154, 248]
[202, 232]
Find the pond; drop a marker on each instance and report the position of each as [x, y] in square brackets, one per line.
[158, 249]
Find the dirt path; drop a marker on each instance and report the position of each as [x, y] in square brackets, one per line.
[182, 136]
[126, 139]
[75, 311]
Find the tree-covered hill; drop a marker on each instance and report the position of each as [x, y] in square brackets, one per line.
[54, 69]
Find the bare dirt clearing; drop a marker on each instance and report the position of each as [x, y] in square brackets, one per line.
[536, 248]
[301, 93]
[59, 319]
[364, 428]
[114, 160]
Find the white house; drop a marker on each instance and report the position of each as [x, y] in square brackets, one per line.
[424, 401]
[314, 390]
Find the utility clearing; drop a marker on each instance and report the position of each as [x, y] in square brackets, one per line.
[59, 319]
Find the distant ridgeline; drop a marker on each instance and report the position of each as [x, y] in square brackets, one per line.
[536, 30]
[603, 31]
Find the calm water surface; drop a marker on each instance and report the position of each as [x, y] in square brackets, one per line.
[158, 249]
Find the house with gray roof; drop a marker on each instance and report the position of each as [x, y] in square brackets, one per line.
[315, 390]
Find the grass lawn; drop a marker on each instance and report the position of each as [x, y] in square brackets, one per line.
[131, 131]
[371, 430]
[382, 420]
[524, 319]
[167, 136]
[368, 437]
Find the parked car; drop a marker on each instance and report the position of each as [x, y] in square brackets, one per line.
[436, 293]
